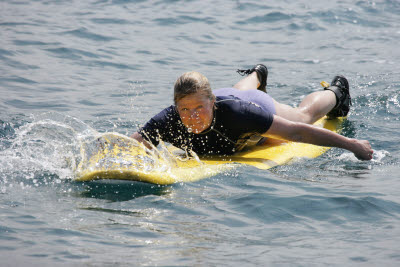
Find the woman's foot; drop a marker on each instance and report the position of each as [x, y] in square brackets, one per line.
[340, 86]
[262, 75]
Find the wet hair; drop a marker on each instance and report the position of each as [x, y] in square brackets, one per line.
[190, 83]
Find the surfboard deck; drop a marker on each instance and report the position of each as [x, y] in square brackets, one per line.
[115, 156]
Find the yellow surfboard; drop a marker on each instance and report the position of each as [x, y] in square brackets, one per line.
[115, 156]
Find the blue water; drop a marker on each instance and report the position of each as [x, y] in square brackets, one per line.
[71, 69]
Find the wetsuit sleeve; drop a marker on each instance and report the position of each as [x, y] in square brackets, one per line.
[254, 119]
[159, 127]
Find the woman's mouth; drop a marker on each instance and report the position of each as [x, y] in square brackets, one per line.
[195, 128]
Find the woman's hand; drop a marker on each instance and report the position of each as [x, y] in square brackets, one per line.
[361, 149]
[140, 139]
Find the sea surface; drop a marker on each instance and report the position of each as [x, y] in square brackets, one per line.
[70, 70]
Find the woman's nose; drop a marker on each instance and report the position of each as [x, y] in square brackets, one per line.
[194, 114]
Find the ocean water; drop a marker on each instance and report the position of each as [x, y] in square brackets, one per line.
[72, 69]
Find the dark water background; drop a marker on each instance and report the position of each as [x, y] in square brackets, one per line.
[70, 69]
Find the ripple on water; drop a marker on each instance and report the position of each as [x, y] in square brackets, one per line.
[84, 33]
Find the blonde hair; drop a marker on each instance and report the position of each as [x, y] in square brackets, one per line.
[190, 83]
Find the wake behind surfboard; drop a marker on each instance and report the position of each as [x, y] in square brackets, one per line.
[118, 157]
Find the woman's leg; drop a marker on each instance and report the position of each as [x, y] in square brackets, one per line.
[312, 108]
[249, 82]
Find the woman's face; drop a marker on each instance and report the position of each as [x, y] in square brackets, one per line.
[196, 112]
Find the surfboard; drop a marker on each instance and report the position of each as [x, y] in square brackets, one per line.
[118, 157]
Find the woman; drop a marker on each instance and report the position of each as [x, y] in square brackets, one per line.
[233, 118]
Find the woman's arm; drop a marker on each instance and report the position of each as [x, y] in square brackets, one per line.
[140, 139]
[305, 133]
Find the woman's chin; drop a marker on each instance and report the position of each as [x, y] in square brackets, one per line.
[195, 130]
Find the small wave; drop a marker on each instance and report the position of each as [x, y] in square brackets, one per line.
[270, 17]
[49, 144]
[6, 129]
[184, 20]
[102, 63]
[84, 33]
[110, 21]
[18, 79]
[378, 156]
[32, 42]
[71, 53]
[30, 105]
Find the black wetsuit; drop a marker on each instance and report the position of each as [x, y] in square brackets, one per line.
[235, 121]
